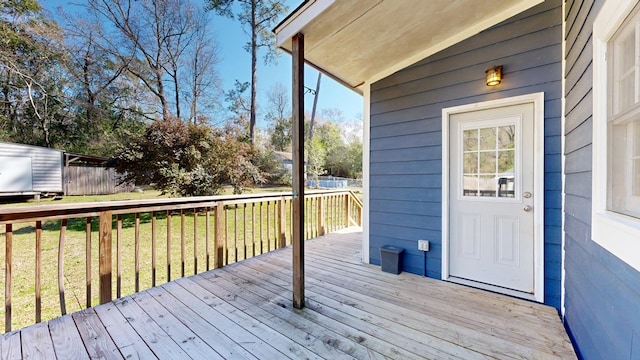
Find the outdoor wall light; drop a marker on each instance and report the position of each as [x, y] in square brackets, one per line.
[494, 75]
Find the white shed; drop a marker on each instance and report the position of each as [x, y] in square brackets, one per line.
[27, 170]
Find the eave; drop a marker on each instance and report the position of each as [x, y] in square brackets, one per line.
[362, 41]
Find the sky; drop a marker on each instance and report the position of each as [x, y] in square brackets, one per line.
[236, 65]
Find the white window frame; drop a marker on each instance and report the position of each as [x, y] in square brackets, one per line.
[617, 233]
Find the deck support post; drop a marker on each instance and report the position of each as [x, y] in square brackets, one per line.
[297, 238]
[105, 254]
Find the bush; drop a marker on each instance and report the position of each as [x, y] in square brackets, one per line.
[188, 159]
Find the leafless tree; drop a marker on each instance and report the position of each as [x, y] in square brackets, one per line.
[203, 88]
[157, 33]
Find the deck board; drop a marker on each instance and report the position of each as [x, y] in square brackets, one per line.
[66, 339]
[123, 335]
[354, 311]
[11, 346]
[94, 336]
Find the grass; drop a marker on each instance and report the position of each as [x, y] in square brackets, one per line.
[239, 223]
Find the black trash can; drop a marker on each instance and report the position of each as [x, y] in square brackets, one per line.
[391, 259]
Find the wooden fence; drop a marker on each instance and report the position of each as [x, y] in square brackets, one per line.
[144, 243]
[93, 180]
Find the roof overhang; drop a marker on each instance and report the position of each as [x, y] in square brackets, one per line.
[363, 41]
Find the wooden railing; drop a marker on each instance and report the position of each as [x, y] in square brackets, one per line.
[144, 243]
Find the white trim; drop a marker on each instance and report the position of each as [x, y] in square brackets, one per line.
[538, 169]
[563, 159]
[297, 21]
[616, 233]
[465, 33]
[366, 138]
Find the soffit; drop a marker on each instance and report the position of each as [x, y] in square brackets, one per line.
[362, 41]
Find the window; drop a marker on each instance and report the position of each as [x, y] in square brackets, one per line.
[615, 220]
[623, 124]
[488, 161]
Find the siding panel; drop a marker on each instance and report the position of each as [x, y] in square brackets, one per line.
[406, 134]
[602, 293]
[46, 165]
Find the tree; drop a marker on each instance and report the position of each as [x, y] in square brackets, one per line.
[187, 159]
[103, 97]
[258, 18]
[316, 156]
[152, 37]
[32, 75]
[279, 115]
[201, 77]
[239, 106]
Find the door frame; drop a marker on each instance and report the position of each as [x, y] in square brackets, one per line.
[538, 187]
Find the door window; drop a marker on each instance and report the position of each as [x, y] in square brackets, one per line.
[489, 162]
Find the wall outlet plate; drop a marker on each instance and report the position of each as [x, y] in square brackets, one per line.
[423, 245]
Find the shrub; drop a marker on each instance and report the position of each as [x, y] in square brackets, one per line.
[188, 159]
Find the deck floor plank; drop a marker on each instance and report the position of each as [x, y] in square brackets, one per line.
[502, 317]
[186, 339]
[66, 339]
[280, 307]
[370, 288]
[242, 337]
[382, 346]
[380, 328]
[358, 343]
[123, 335]
[263, 331]
[36, 342]
[12, 346]
[232, 293]
[94, 336]
[217, 339]
[354, 311]
[149, 331]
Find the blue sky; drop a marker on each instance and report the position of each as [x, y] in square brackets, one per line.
[236, 64]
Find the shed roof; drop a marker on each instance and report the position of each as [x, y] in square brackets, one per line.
[362, 41]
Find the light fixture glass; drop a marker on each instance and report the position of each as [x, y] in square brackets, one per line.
[494, 75]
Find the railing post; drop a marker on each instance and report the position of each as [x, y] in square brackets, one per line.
[219, 238]
[347, 210]
[8, 264]
[105, 253]
[321, 215]
[282, 224]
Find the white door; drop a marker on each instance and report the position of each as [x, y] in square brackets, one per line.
[491, 219]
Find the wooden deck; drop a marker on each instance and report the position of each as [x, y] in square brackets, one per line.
[243, 311]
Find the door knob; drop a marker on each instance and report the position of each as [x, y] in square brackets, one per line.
[527, 208]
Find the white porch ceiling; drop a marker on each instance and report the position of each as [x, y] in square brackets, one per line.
[362, 41]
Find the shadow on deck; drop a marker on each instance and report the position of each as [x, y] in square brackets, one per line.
[243, 311]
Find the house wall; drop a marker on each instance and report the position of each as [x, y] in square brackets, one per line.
[406, 138]
[46, 165]
[602, 293]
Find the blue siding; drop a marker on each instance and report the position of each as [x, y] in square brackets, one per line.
[602, 293]
[406, 137]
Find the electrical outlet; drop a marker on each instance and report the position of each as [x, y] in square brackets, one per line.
[423, 245]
